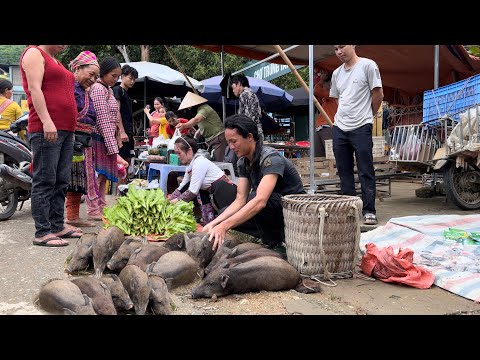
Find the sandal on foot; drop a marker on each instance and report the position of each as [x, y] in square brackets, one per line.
[71, 234]
[95, 218]
[46, 242]
[370, 219]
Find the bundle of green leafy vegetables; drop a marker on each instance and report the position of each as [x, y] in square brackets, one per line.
[145, 212]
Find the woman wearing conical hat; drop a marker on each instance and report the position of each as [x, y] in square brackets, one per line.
[208, 122]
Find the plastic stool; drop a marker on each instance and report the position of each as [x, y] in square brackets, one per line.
[227, 166]
[164, 170]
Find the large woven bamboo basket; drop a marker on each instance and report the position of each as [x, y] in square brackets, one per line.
[322, 233]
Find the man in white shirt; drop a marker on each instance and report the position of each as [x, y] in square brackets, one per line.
[358, 87]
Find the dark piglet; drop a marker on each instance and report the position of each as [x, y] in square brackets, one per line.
[120, 258]
[146, 255]
[226, 249]
[135, 282]
[199, 248]
[160, 301]
[264, 273]
[99, 293]
[120, 296]
[108, 241]
[234, 258]
[175, 242]
[62, 297]
[176, 268]
[82, 256]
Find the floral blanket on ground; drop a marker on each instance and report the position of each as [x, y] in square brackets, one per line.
[456, 265]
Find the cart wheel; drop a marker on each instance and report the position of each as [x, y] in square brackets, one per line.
[460, 188]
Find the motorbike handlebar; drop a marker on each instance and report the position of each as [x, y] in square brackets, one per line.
[20, 124]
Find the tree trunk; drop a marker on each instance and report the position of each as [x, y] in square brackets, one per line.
[145, 52]
[123, 50]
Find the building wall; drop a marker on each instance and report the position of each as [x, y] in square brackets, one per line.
[16, 79]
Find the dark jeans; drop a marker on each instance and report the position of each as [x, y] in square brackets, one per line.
[345, 144]
[268, 224]
[52, 163]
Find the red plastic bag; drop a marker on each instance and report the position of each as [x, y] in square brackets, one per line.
[384, 265]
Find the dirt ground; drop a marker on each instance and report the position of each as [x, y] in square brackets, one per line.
[25, 267]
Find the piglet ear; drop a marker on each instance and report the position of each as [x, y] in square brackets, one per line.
[233, 253]
[224, 280]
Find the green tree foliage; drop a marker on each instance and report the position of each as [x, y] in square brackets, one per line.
[289, 81]
[10, 54]
[100, 50]
[197, 63]
[473, 49]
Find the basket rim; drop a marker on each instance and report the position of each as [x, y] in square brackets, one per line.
[324, 198]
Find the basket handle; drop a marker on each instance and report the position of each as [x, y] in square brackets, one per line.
[322, 214]
[355, 211]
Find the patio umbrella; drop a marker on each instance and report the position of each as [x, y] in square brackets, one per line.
[271, 97]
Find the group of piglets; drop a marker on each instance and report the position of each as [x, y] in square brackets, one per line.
[147, 271]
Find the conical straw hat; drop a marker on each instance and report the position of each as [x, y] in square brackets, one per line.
[190, 100]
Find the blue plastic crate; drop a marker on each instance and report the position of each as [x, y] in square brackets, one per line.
[451, 99]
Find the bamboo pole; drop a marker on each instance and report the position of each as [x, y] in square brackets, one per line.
[180, 68]
[300, 80]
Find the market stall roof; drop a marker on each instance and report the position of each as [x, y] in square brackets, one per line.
[406, 70]
[160, 80]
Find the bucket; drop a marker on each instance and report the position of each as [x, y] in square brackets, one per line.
[322, 233]
[174, 159]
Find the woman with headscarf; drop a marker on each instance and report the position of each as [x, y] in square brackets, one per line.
[86, 69]
[105, 146]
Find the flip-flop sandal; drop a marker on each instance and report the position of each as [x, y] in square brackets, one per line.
[70, 234]
[45, 242]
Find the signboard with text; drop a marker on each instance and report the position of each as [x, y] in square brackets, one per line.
[268, 71]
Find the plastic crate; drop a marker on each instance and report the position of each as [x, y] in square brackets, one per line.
[378, 149]
[451, 100]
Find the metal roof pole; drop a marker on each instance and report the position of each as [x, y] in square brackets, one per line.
[144, 105]
[436, 66]
[311, 119]
[222, 69]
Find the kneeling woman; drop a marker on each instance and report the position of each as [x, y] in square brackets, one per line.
[202, 179]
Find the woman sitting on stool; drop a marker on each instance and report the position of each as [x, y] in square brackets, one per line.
[202, 179]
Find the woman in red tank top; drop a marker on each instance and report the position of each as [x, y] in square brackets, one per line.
[52, 117]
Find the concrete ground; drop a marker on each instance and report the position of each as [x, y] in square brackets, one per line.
[25, 267]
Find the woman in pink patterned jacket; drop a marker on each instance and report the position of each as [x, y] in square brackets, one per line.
[105, 144]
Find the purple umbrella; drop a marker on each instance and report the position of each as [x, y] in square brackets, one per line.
[271, 97]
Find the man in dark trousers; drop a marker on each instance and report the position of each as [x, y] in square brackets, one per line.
[358, 87]
[129, 75]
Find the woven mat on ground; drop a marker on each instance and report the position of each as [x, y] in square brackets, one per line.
[456, 266]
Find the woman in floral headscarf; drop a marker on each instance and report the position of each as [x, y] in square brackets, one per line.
[86, 69]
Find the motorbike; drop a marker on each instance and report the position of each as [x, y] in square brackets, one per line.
[449, 149]
[15, 169]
